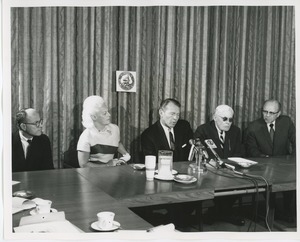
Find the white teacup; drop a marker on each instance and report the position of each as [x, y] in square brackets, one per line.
[105, 220]
[150, 163]
[43, 206]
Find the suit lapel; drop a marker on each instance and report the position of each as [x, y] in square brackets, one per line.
[20, 147]
[265, 133]
[216, 138]
[163, 134]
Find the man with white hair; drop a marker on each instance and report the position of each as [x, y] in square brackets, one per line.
[226, 136]
[227, 139]
[100, 141]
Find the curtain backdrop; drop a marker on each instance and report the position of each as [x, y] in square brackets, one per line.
[202, 56]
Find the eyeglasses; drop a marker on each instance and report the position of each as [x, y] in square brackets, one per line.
[267, 112]
[230, 120]
[37, 123]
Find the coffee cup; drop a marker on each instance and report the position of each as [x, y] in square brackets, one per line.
[43, 206]
[150, 163]
[105, 220]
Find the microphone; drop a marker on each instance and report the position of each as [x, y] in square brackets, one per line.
[197, 145]
[192, 150]
[202, 147]
[211, 145]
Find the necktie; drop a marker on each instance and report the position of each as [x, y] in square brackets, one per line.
[29, 146]
[172, 142]
[272, 131]
[221, 139]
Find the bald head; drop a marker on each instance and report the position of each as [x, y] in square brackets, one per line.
[271, 110]
[223, 117]
[29, 122]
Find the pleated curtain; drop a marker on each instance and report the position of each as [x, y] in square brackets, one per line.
[202, 56]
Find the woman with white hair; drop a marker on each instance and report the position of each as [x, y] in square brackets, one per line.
[100, 141]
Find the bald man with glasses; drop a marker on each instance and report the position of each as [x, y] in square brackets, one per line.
[271, 135]
[31, 149]
[274, 135]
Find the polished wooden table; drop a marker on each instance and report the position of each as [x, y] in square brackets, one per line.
[76, 196]
[83, 192]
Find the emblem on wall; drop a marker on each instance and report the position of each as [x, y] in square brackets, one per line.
[126, 81]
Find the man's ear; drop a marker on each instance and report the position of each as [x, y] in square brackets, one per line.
[23, 127]
[214, 117]
[160, 111]
[278, 114]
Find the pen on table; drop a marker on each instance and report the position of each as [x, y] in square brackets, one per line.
[183, 146]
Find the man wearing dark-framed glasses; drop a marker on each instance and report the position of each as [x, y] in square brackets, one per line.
[31, 149]
[271, 135]
[274, 134]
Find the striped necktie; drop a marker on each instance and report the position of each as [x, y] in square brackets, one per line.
[222, 139]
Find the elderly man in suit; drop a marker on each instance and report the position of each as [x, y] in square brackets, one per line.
[31, 148]
[227, 139]
[168, 133]
[226, 136]
[271, 135]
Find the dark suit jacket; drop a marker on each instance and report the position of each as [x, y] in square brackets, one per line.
[39, 156]
[154, 139]
[232, 145]
[258, 141]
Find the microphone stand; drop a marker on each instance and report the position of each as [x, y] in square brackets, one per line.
[200, 164]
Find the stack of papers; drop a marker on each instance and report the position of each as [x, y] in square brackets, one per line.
[19, 204]
[46, 223]
[49, 227]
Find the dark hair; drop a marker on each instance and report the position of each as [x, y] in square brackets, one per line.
[273, 101]
[165, 102]
[21, 116]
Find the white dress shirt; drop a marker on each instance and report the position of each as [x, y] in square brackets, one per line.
[24, 142]
[167, 130]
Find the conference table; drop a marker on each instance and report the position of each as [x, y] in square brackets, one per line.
[83, 192]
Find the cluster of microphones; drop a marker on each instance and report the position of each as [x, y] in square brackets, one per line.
[197, 146]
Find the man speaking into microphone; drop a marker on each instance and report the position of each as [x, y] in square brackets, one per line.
[225, 135]
[227, 143]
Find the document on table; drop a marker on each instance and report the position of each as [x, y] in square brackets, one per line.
[20, 204]
[49, 227]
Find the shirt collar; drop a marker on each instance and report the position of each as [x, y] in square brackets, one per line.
[166, 129]
[23, 138]
[268, 124]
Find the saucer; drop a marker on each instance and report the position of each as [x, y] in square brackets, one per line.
[164, 178]
[186, 179]
[116, 225]
[174, 172]
[34, 212]
[138, 166]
